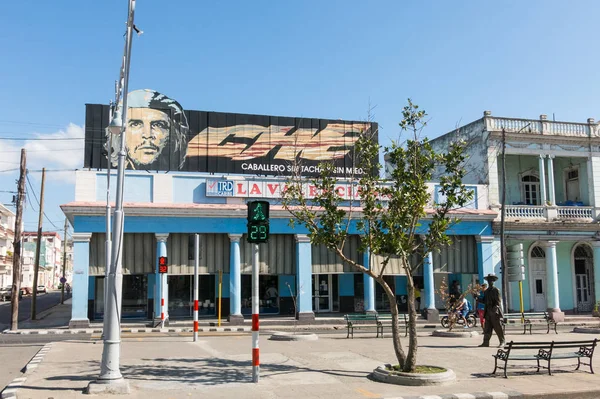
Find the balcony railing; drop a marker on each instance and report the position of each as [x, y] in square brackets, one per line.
[525, 212]
[542, 126]
[575, 212]
[550, 213]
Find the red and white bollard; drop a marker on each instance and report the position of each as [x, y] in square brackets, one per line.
[255, 322]
[162, 311]
[196, 267]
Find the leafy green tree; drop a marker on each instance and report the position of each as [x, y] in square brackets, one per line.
[394, 217]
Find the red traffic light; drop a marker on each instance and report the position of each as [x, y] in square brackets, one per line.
[163, 266]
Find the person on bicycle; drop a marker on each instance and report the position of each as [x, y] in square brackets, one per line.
[463, 309]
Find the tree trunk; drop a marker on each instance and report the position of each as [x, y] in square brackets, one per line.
[400, 355]
[411, 359]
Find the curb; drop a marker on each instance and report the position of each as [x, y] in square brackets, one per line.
[128, 330]
[475, 395]
[11, 389]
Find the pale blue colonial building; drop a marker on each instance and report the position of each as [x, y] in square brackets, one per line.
[552, 204]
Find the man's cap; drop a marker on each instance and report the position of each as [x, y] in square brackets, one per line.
[491, 277]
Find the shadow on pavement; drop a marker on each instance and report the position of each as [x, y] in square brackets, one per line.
[205, 371]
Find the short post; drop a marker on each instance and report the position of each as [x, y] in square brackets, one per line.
[255, 307]
[162, 302]
[196, 267]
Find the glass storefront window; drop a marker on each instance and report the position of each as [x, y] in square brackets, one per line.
[99, 301]
[134, 300]
[181, 296]
[135, 296]
[267, 293]
[359, 292]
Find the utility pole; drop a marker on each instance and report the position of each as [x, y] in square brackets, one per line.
[38, 248]
[64, 265]
[16, 283]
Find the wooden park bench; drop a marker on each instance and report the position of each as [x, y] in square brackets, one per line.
[361, 321]
[385, 320]
[545, 351]
[528, 320]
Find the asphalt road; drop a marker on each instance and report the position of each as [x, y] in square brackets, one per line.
[44, 301]
[16, 350]
[13, 358]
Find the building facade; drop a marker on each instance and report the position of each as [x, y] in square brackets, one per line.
[165, 211]
[51, 252]
[7, 236]
[552, 204]
[205, 192]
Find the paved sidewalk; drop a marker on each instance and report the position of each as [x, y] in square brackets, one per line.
[56, 321]
[333, 366]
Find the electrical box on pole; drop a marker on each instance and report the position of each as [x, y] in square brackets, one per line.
[515, 263]
[258, 222]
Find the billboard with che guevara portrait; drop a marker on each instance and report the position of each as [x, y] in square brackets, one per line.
[161, 136]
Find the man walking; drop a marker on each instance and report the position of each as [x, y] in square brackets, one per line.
[492, 312]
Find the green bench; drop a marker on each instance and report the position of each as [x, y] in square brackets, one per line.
[546, 352]
[361, 321]
[528, 320]
[385, 320]
[376, 321]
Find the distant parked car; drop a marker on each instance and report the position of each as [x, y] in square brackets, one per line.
[41, 289]
[26, 290]
[6, 294]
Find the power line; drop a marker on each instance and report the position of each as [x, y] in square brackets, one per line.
[29, 123]
[41, 139]
[38, 202]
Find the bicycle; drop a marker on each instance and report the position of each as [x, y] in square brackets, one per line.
[470, 321]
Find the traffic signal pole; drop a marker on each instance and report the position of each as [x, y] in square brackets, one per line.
[255, 310]
[258, 232]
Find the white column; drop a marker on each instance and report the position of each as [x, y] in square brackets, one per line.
[542, 181]
[552, 297]
[551, 196]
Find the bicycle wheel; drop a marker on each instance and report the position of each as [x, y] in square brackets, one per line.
[472, 316]
[445, 322]
[470, 322]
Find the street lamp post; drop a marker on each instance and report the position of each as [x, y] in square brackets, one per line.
[110, 379]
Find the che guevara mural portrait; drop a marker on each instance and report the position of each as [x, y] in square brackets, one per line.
[161, 136]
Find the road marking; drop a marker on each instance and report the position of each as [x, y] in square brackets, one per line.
[367, 394]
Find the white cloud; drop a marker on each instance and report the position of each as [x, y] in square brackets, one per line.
[53, 153]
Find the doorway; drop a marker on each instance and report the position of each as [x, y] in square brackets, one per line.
[572, 185]
[537, 274]
[584, 276]
[322, 293]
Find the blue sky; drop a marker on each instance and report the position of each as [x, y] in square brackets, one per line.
[310, 58]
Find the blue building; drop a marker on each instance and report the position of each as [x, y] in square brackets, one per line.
[165, 211]
[192, 172]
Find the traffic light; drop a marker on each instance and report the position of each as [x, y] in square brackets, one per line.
[515, 265]
[163, 264]
[258, 221]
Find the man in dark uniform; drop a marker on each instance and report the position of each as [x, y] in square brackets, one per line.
[492, 312]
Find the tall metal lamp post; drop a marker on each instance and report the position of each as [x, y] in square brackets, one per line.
[110, 379]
